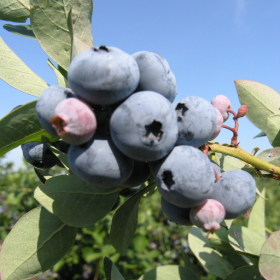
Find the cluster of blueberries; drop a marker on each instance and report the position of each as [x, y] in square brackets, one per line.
[118, 127]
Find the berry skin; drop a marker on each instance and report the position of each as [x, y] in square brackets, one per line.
[185, 177]
[180, 216]
[236, 191]
[103, 76]
[222, 103]
[139, 175]
[100, 163]
[46, 104]
[74, 121]
[220, 121]
[196, 119]
[208, 215]
[39, 155]
[155, 74]
[144, 127]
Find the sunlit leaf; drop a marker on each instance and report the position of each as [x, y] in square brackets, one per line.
[17, 74]
[273, 130]
[13, 10]
[262, 101]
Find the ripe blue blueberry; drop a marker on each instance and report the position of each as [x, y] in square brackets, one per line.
[103, 76]
[100, 163]
[197, 121]
[155, 74]
[144, 126]
[45, 106]
[180, 216]
[139, 175]
[236, 191]
[185, 177]
[39, 155]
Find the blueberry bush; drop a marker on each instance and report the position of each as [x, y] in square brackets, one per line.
[110, 111]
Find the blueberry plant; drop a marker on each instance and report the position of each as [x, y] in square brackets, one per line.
[110, 123]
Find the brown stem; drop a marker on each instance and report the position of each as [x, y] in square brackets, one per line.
[24, 5]
[216, 175]
[205, 149]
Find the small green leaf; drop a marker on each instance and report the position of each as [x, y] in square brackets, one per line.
[256, 221]
[89, 255]
[76, 203]
[14, 72]
[22, 126]
[14, 10]
[271, 155]
[61, 80]
[261, 134]
[273, 130]
[254, 151]
[125, 221]
[227, 162]
[262, 101]
[269, 263]
[245, 273]
[42, 174]
[111, 271]
[174, 272]
[211, 260]
[140, 243]
[37, 242]
[61, 156]
[22, 30]
[245, 240]
[49, 24]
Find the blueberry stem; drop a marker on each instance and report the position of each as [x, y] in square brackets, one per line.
[216, 175]
[234, 130]
[256, 162]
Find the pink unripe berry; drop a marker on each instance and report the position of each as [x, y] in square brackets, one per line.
[74, 122]
[220, 121]
[222, 103]
[208, 215]
[242, 111]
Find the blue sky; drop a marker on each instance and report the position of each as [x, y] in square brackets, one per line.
[208, 45]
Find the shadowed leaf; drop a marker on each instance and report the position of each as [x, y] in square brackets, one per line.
[22, 126]
[37, 242]
[111, 271]
[22, 30]
[61, 80]
[76, 203]
[273, 130]
[245, 273]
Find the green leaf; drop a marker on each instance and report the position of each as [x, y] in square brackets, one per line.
[273, 130]
[37, 242]
[22, 30]
[14, 72]
[269, 263]
[219, 240]
[254, 151]
[211, 260]
[140, 243]
[42, 175]
[111, 272]
[245, 273]
[61, 156]
[61, 80]
[261, 134]
[22, 126]
[174, 272]
[75, 202]
[125, 221]
[262, 101]
[78, 45]
[13, 10]
[256, 221]
[49, 24]
[227, 162]
[245, 240]
[271, 155]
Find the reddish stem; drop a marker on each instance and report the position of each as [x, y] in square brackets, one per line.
[205, 149]
[216, 175]
[234, 130]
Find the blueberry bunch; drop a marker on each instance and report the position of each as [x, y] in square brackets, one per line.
[120, 127]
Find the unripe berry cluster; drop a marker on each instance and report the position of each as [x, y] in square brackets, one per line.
[121, 126]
